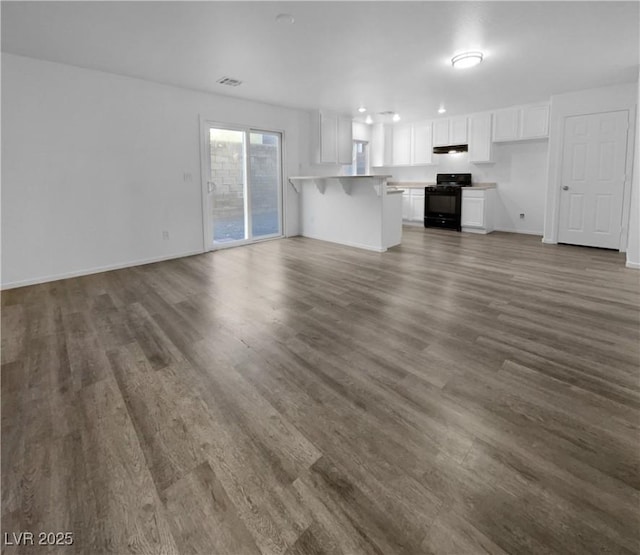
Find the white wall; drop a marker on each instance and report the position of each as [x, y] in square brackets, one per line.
[94, 163]
[591, 101]
[633, 246]
[520, 171]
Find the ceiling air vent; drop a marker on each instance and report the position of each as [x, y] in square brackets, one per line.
[386, 113]
[229, 81]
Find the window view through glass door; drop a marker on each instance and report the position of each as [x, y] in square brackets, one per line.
[359, 159]
[244, 186]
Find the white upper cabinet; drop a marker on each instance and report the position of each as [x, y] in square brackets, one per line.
[401, 147]
[412, 145]
[458, 130]
[441, 132]
[506, 125]
[520, 123]
[381, 146]
[328, 138]
[422, 144]
[345, 140]
[535, 121]
[480, 138]
[377, 145]
[336, 139]
[452, 131]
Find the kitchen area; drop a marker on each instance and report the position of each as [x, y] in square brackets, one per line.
[474, 173]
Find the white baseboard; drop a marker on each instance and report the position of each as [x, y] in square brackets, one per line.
[634, 265]
[348, 244]
[523, 231]
[95, 270]
[475, 230]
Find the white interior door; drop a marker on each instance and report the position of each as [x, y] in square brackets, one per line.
[593, 176]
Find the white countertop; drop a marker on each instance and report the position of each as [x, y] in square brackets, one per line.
[410, 184]
[423, 184]
[483, 186]
[339, 176]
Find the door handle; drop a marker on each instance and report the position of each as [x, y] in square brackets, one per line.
[210, 186]
[565, 187]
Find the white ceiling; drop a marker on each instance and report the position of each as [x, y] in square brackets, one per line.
[339, 55]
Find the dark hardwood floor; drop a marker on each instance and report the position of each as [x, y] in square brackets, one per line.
[459, 394]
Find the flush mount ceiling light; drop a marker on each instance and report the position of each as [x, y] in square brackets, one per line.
[441, 110]
[466, 59]
[362, 109]
[396, 117]
[369, 120]
[285, 18]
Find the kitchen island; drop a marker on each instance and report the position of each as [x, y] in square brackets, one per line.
[358, 211]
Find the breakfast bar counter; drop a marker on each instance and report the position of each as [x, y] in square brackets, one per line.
[358, 211]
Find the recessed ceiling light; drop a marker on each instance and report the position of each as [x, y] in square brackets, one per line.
[369, 120]
[396, 117]
[229, 81]
[362, 109]
[466, 59]
[441, 110]
[285, 18]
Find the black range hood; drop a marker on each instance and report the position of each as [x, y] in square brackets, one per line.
[450, 149]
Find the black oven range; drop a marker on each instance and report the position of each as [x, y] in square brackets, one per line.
[443, 202]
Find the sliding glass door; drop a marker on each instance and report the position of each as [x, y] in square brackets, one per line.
[244, 186]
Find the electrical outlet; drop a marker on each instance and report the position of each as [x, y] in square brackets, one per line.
[522, 216]
[187, 177]
[165, 235]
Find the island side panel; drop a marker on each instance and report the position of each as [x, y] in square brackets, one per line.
[392, 219]
[353, 219]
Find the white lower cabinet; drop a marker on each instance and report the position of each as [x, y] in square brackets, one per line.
[406, 205]
[477, 210]
[413, 205]
[417, 206]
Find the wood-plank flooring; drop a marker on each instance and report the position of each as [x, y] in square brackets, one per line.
[458, 394]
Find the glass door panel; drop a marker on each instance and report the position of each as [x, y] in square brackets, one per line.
[244, 188]
[227, 186]
[265, 184]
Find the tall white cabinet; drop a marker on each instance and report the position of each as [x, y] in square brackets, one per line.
[335, 138]
[401, 147]
[422, 144]
[480, 145]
